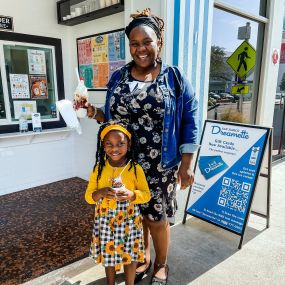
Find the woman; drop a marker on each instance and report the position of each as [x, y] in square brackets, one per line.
[160, 104]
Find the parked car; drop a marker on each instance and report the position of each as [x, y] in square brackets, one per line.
[279, 99]
[212, 102]
[227, 96]
[236, 97]
[214, 95]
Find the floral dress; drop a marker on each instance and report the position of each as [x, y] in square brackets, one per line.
[142, 105]
[117, 236]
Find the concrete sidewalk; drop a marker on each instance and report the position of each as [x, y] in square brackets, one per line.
[203, 254]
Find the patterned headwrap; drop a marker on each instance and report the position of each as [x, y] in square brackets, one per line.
[146, 21]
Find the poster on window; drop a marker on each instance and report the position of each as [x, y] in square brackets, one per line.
[38, 87]
[30, 107]
[99, 56]
[226, 173]
[19, 84]
[37, 61]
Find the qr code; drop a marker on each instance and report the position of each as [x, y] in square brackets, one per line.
[234, 194]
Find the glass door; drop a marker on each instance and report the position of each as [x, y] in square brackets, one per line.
[278, 151]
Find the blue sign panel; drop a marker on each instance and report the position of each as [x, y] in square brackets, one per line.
[226, 173]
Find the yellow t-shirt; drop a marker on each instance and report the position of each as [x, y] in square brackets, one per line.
[137, 184]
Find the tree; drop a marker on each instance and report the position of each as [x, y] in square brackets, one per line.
[219, 69]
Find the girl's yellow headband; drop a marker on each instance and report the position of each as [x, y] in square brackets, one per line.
[115, 128]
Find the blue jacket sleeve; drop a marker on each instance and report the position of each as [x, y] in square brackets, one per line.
[189, 123]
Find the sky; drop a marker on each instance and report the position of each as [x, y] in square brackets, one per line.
[225, 30]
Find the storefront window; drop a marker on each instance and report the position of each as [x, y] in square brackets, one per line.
[257, 7]
[30, 79]
[234, 68]
[2, 105]
[31, 76]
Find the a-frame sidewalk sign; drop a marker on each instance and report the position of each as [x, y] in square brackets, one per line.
[227, 169]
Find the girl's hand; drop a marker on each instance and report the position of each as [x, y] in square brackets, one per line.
[124, 194]
[107, 192]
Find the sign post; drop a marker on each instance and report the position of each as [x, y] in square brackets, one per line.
[226, 172]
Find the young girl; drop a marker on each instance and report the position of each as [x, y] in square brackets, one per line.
[116, 186]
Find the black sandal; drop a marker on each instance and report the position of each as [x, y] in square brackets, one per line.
[140, 275]
[156, 280]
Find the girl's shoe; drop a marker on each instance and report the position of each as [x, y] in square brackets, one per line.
[139, 275]
[156, 280]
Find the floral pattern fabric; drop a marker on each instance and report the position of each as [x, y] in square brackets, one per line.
[142, 105]
[117, 237]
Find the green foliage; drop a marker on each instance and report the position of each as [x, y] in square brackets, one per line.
[219, 69]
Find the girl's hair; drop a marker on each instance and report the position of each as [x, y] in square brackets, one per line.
[131, 154]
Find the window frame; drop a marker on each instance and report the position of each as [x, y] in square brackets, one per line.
[54, 44]
[262, 22]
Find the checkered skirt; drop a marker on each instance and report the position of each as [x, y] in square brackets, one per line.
[117, 237]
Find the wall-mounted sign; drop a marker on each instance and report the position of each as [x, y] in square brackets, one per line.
[99, 56]
[6, 23]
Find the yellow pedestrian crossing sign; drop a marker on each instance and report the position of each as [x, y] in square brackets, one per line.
[242, 60]
[240, 89]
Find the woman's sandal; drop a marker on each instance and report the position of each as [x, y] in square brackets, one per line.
[139, 275]
[156, 280]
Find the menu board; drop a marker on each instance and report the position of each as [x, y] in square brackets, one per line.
[99, 56]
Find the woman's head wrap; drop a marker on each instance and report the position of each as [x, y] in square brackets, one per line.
[144, 21]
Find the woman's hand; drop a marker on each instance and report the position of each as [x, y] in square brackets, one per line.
[124, 194]
[185, 174]
[90, 110]
[95, 113]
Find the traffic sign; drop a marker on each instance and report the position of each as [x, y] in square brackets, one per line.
[242, 60]
[240, 89]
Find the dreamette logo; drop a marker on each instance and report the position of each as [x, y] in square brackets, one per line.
[241, 134]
